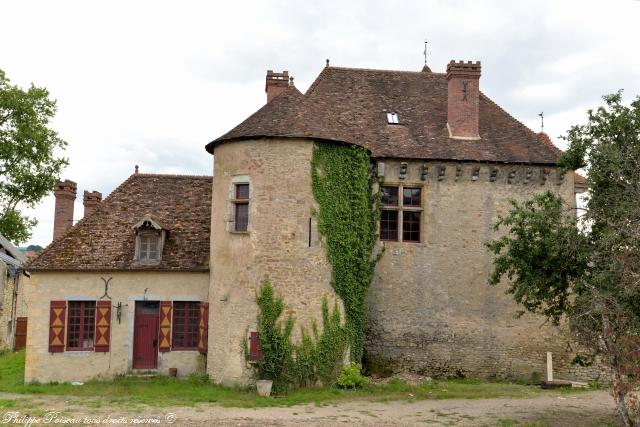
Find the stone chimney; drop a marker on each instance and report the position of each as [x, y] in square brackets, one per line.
[276, 84]
[91, 201]
[65, 193]
[463, 81]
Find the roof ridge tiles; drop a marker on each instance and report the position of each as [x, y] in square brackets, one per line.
[386, 70]
[509, 115]
[316, 81]
[169, 175]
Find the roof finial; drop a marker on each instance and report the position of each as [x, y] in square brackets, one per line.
[542, 120]
[136, 169]
[425, 51]
[425, 68]
[291, 81]
[327, 62]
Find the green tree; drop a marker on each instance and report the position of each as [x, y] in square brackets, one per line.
[590, 277]
[29, 164]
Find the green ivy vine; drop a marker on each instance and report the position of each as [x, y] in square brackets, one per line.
[315, 360]
[347, 217]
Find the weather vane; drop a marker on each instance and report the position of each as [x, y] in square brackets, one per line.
[542, 120]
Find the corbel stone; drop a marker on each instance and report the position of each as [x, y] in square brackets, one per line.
[559, 177]
[442, 169]
[544, 174]
[458, 172]
[476, 173]
[494, 174]
[511, 178]
[527, 176]
[424, 174]
[403, 170]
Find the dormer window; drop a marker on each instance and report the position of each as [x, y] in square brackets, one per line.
[150, 237]
[392, 118]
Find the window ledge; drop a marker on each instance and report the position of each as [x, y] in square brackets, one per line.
[83, 352]
[239, 232]
[185, 349]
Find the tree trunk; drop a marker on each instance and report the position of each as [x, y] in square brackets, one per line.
[619, 392]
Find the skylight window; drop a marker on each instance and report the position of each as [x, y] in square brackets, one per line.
[392, 118]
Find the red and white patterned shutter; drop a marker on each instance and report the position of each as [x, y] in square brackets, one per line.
[57, 317]
[165, 326]
[203, 327]
[103, 326]
[255, 354]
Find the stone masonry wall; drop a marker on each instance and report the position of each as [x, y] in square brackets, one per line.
[125, 288]
[431, 308]
[6, 290]
[7, 286]
[276, 246]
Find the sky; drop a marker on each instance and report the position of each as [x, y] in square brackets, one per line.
[149, 83]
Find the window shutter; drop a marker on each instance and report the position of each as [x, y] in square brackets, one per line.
[165, 326]
[103, 326]
[57, 317]
[203, 327]
[255, 354]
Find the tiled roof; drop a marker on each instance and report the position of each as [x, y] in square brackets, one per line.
[348, 105]
[105, 240]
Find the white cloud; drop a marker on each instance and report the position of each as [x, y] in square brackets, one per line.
[151, 82]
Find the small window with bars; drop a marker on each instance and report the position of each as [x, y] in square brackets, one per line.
[186, 316]
[241, 208]
[392, 118]
[401, 210]
[81, 325]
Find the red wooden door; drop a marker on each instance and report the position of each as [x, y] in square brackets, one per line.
[21, 333]
[145, 336]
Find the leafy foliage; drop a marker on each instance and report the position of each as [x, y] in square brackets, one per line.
[275, 339]
[316, 360]
[592, 278]
[351, 377]
[29, 166]
[544, 251]
[347, 219]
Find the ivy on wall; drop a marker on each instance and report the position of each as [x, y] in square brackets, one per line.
[347, 221]
[315, 360]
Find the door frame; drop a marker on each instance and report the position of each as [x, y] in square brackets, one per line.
[136, 316]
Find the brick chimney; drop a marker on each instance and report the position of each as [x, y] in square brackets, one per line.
[91, 201]
[463, 81]
[276, 84]
[65, 193]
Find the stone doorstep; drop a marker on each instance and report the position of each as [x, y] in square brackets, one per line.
[142, 373]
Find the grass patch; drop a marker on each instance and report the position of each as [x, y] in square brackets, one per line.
[166, 391]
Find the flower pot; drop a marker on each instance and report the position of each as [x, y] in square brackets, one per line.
[173, 372]
[264, 387]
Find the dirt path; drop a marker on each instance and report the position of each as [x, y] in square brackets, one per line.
[583, 409]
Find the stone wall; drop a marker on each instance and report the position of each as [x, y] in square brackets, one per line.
[125, 288]
[431, 308]
[276, 246]
[7, 286]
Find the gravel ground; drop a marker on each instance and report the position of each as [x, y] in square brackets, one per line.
[584, 409]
